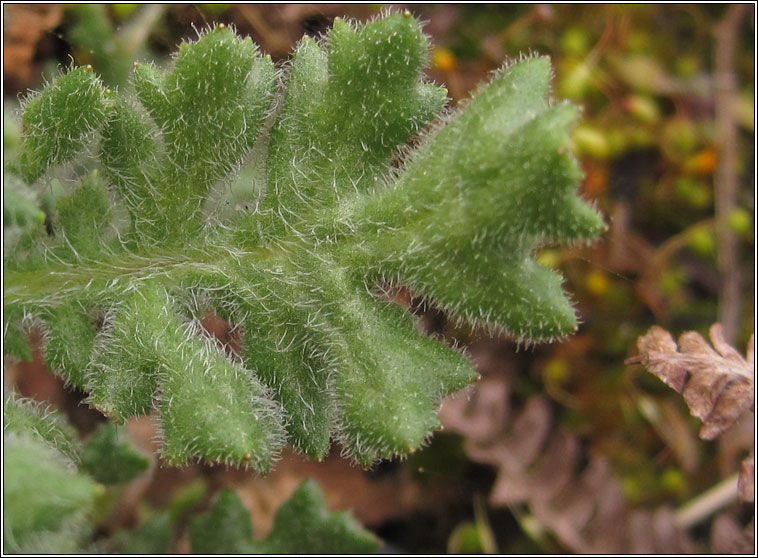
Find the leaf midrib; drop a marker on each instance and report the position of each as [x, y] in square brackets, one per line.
[55, 280]
[58, 280]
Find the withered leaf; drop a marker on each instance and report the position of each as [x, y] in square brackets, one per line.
[478, 414]
[728, 538]
[23, 26]
[539, 470]
[746, 482]
[716, 382]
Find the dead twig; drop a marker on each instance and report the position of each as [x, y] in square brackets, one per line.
[726, 34]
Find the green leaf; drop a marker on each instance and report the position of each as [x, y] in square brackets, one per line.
[23, 216]
[15, 337]
[45, 501]
[70, 339]
[303, 525]
[58, 120]
[467, 241]
[84, 215]
[152, 537]
[94, 38]
[28, 418]
[347, 109]
[110, 458]
[209, 406]
[346, 208]
[383, 409]
[209, 110]
[187, 500]
[225, 529]
[20, 204]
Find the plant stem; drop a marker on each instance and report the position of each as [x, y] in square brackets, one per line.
[136, 32]
[727, 35]
[707, 503]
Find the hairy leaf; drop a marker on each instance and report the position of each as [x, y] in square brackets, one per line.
[225, 529]
[20, 205]
[152, 537]
[142, 250]
[109, 457]
[25, 417]
[58, 120]
[303, 525]
[717, 382]
[45, 500]
[23, 218]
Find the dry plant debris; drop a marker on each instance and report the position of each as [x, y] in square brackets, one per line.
[539, 473]
[716, 382]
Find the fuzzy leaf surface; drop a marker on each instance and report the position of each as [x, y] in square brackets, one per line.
[58, 120]
[110, 458]
[141, 251]
[303, 525]
[45, 499]
[25, 417]
[224, 529]
[152, 537]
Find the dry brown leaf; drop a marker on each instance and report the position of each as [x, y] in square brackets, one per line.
[728, 538]
[716, 382]
[521, 447]
[746, 483]
[670, 539]
[673, 426]
[478, 414]
[537, 461]
[678, 434]
[570, 512]
[640, 529]
[537, 470]
[550, 474]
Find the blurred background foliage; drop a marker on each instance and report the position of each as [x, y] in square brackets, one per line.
[667, 142]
